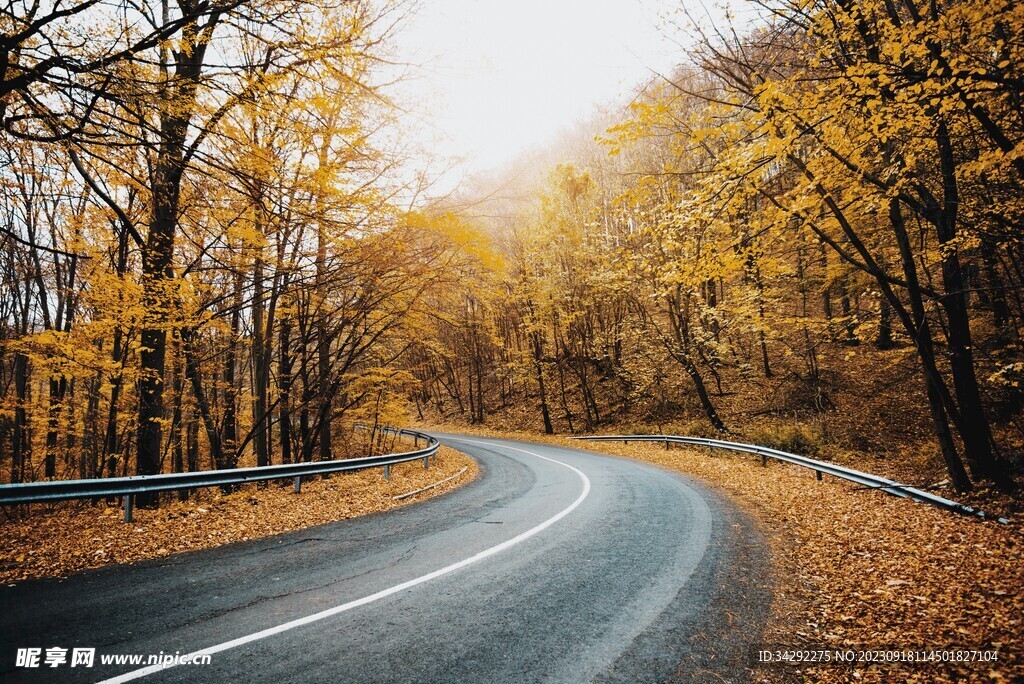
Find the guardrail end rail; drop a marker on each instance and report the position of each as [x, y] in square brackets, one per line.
[127, 488]
[867, 480]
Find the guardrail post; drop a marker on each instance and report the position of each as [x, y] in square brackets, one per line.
[817, 475]
[764, 459]
[298, 484]
[387, 472]
[426, 462]
[666, 445]
[129, 507]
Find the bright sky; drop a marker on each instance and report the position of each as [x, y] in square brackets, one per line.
[499, 77]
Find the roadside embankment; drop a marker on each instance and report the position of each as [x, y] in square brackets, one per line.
[57, 540]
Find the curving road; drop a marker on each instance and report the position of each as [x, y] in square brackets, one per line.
[556, 565]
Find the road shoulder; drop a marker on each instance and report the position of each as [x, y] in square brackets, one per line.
[74, 536]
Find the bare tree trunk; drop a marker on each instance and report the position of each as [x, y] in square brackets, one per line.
[849, 322]
[762, 341]
[997, 288]
[177, 441]
[884, 339]
[168, 170]
[52, 424]
[110, 443]
[323, 350]
[261, 370]
[921, 334]
[192, 446]
[538, 354]
[194, 375]
[230, 443]
[982, 458]
[19, 436]
[284, 385]
[680, 353]
[826, 286]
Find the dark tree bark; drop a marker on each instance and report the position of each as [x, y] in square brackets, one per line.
[261, 369]
[681, 353]
[975, 430]
[323, 353]
[920, 334]
[538, 354]
[193, 374]
[284, 385]
[230, 378]
[158, 252]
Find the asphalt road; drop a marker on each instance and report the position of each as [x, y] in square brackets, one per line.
[556, 565]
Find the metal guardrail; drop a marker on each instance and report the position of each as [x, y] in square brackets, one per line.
[130, 487]
[866, 479]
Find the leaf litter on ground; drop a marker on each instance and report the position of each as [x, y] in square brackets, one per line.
[61, 539]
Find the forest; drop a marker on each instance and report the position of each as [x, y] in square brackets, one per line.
[219, 247]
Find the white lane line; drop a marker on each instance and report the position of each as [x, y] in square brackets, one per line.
[315, 617]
